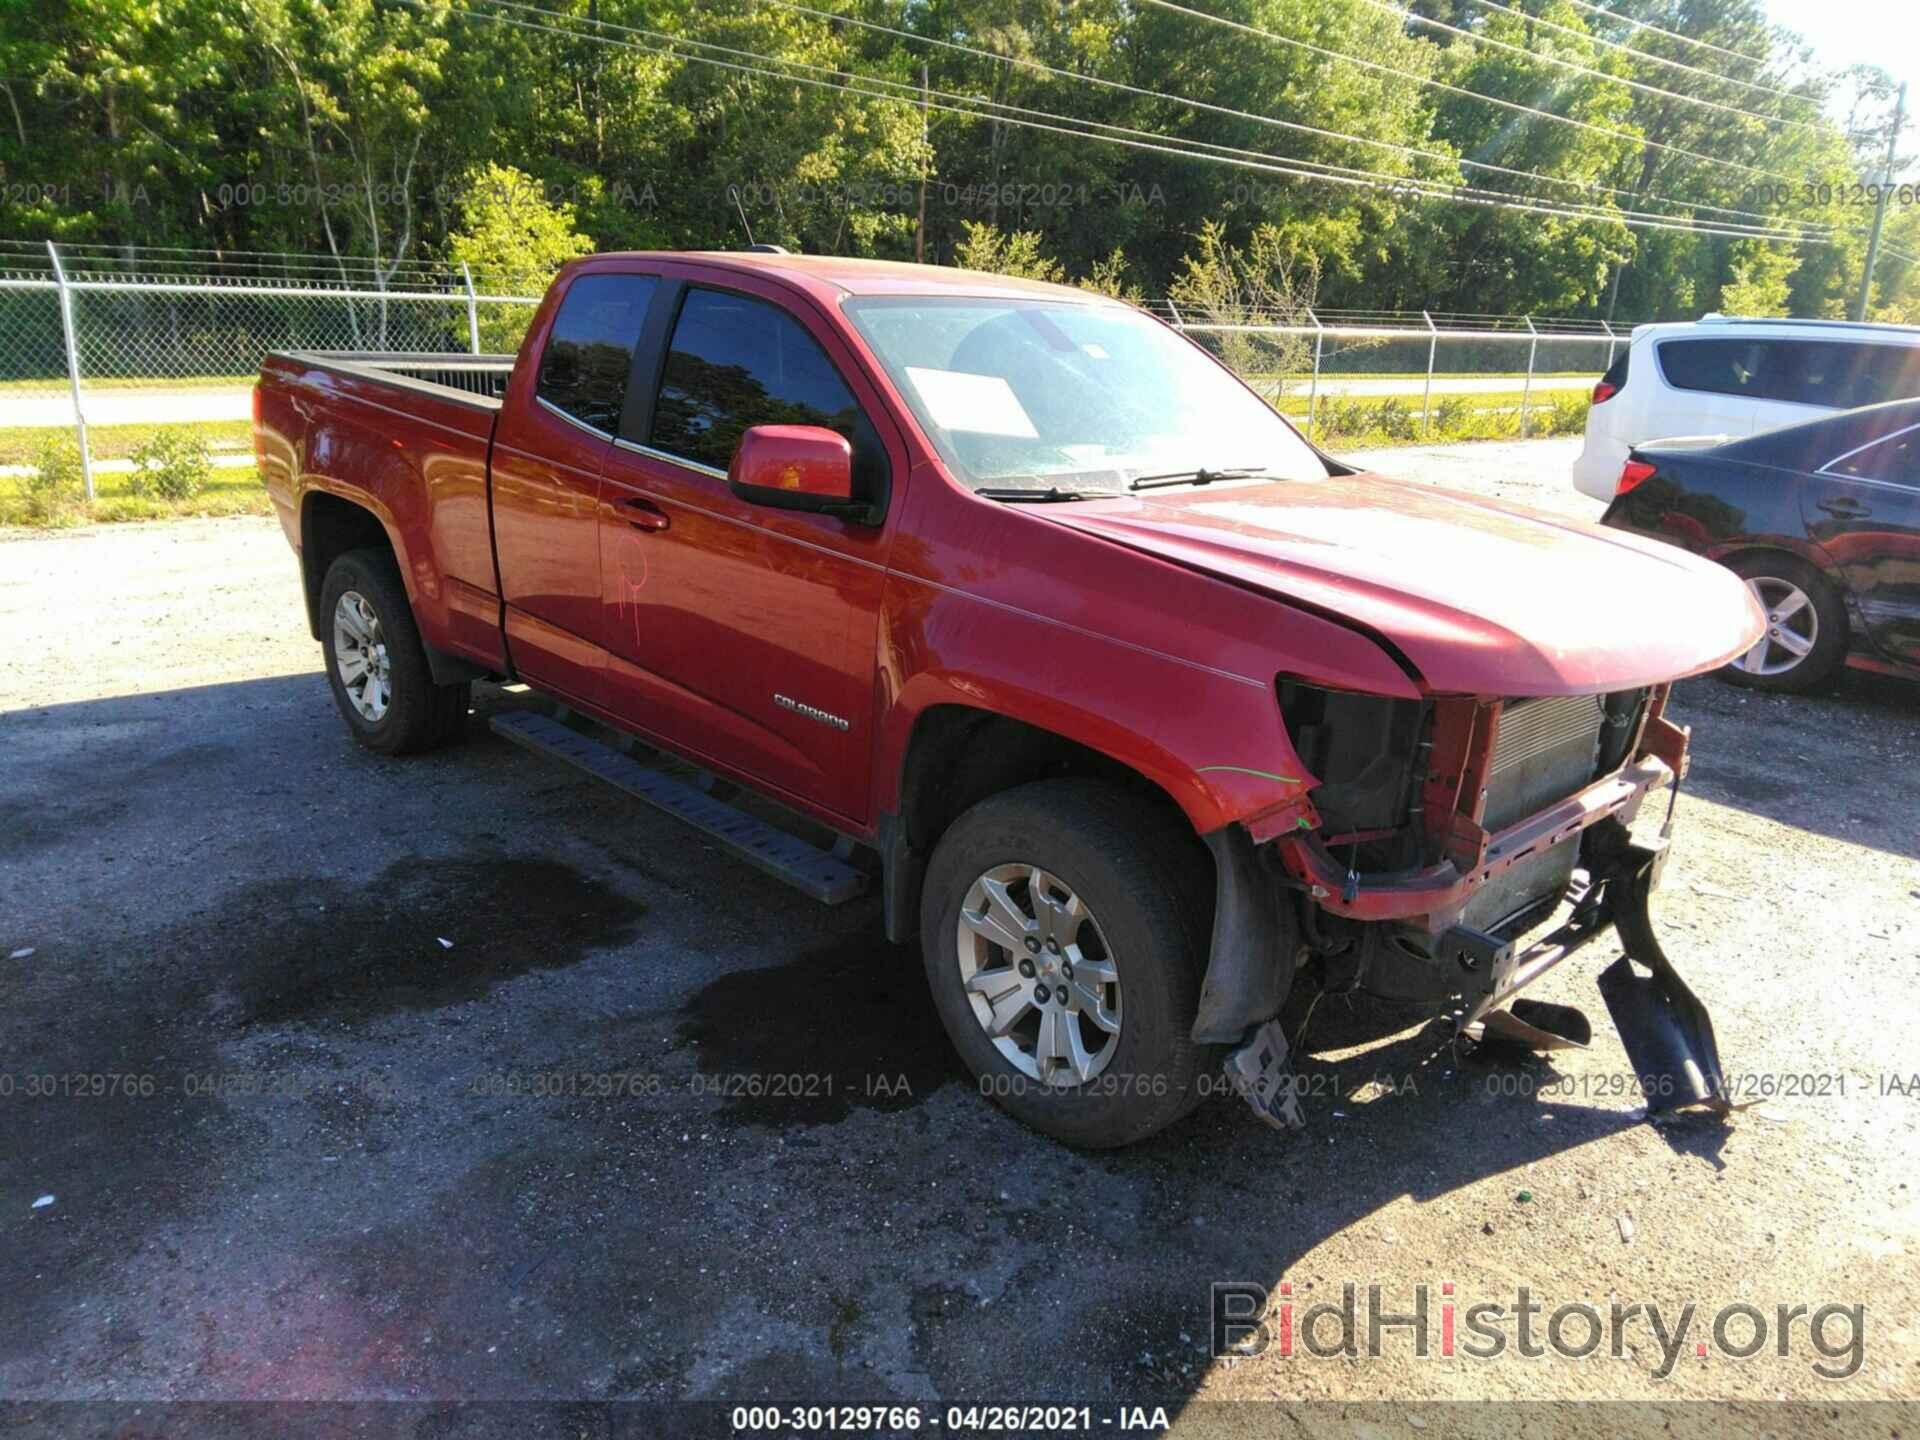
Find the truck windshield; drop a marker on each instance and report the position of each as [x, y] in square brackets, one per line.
[1086, 398]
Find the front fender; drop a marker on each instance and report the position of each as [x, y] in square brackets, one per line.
[1212, 740]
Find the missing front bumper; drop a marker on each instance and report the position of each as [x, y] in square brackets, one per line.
[1664, 1028]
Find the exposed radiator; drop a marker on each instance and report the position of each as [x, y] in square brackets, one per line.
[1546, 750]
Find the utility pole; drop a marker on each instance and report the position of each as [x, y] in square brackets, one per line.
[1880, 210]
[920, 231]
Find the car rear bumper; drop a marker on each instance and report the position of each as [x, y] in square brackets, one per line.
[1597, 471]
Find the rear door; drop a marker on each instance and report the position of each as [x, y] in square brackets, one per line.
[555, 432]
[739, 633]
[1863, 509]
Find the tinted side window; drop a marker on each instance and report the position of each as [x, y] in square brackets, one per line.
[1834, 373]
[590, 349]
[1895, 459]
[1809, 372]
[1719, 367]
[735, 363]
[1873, 373]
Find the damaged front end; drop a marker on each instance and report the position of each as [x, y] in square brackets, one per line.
[1439, 838]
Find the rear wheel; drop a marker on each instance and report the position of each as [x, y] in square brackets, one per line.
[376, 664]
[1805, 643]
[1064, 947]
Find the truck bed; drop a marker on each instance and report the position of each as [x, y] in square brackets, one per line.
[405, 436]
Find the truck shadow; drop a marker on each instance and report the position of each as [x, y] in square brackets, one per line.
[164, 864]
[1120, 1248]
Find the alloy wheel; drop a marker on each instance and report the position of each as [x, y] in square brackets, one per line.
[1793, 627]
[360, 655]
[1039, 975]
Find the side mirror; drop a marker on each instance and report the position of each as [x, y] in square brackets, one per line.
[797, 467]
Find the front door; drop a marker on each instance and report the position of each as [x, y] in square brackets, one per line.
[1864, 511]
[740, 633]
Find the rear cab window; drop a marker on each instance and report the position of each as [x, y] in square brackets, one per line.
[589, 353]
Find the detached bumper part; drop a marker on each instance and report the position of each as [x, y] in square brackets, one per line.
[1662, 1024]
[1262, 1071]
[1663, 1027]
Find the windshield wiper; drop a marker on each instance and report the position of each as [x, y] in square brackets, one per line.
[1052, 494]
[1195, 477]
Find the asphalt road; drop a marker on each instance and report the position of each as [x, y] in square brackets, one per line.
[416, 1080]
[160, 404]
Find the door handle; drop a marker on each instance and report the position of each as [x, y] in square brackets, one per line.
[1844, 506]
[642, 514]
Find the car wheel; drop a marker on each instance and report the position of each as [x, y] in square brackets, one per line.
[1064, 941]
[1806, 639]
[376, 665]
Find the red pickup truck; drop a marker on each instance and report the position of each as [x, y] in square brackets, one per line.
[1141, 711]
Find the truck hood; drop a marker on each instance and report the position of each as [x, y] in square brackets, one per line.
[1480, 597]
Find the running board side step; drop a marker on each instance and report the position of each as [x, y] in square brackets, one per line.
[822, 874]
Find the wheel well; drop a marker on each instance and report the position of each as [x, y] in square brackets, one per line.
[1730, 558]
[329, 528]
[957, 757]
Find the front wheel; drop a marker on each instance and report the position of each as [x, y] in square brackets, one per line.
[1805, 643]
[1064, 942]
[376, 664]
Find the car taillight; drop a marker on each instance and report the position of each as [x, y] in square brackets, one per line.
[1604, 390]
[256, 407]
[1631, 474]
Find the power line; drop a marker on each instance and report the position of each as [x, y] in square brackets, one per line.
[1157, 143]
[1587, 70]
[1627, 135]
[1812, 229]
[1264, 161]
[1669, 34]
[1681, 65]
[100, 252]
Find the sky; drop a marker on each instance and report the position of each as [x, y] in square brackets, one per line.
[1848, 32]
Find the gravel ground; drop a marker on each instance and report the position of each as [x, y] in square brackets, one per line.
[327, 1168]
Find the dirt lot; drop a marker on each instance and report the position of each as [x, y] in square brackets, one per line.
[405, 1081]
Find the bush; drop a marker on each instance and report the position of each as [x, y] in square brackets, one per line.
[1395, 421]
[1345, 417]
[175, 464]
[53, 492]
[1450, 417]
[1568, 415]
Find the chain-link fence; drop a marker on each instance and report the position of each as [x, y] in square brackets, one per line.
[94, 339]
[1394, 376]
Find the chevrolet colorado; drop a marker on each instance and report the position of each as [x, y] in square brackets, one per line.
[1140, 710]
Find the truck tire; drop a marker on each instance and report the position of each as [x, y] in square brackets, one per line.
[375, 663]
[1064, 928]
[1807, 637]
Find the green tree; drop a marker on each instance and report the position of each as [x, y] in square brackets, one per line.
[512, 239]
[1759, 280]
[1265, 283]
[982, 247]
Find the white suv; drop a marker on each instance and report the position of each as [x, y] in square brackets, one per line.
[1728, 378]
